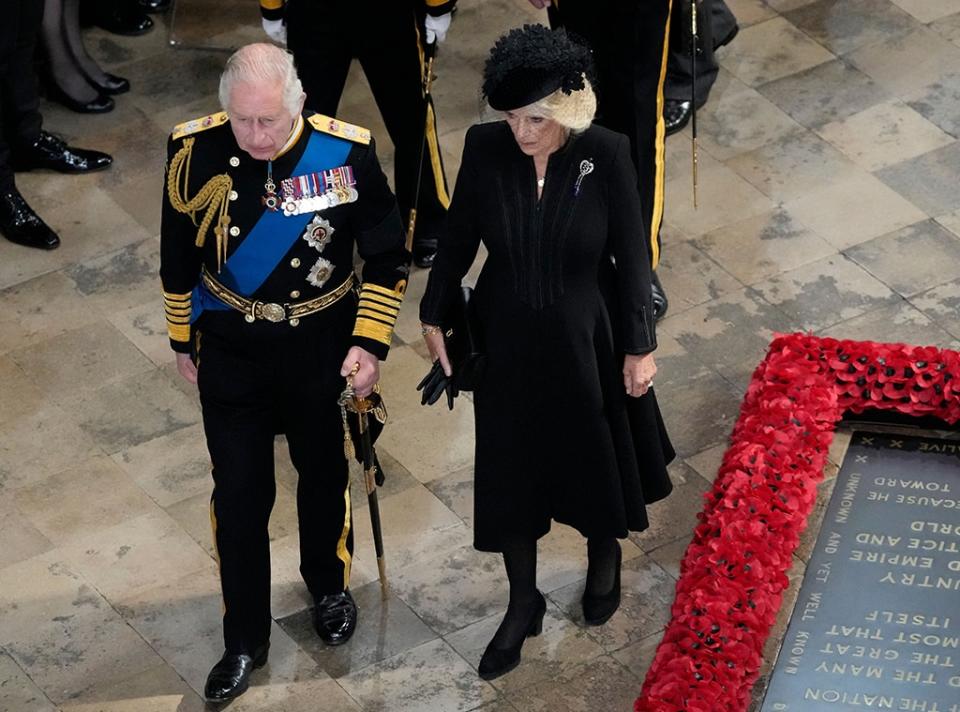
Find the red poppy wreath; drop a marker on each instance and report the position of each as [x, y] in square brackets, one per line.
[734, 571]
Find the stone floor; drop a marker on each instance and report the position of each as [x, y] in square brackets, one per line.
[829, 168]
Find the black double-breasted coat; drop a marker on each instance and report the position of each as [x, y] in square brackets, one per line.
[557, 438]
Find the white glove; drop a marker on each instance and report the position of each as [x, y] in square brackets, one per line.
[437, 28]
[276, 31]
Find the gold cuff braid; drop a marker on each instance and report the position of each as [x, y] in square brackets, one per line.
[213, 197]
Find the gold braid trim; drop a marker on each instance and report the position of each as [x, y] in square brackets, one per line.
[212, 197]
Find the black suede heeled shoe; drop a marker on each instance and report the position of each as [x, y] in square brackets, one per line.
[597, 609]
[230, 677]
[499, 661]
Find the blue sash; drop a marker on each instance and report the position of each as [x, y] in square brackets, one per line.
[274, 233]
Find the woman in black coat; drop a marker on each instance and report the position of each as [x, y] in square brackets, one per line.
[567, 428]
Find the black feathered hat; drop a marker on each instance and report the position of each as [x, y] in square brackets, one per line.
[532, 62]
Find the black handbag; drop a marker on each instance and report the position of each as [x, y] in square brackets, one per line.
[464, 341]
[463, 338]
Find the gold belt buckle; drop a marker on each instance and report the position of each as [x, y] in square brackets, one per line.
[273, 312]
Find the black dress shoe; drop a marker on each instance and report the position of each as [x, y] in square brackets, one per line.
[155, 5]
[499, 661]
[335, 617]
[676, 115]
[597, 609]
[51, 152]
[112, 85]
[21, 225]
[100, 105]
[424, 250]
[658, 296]
[124, 19]
[230, 677]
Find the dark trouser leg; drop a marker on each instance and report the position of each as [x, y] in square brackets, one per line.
[715, 24]
[323, 499]
[391, 60]
[322, 52]
[237, 420]
[20, 119]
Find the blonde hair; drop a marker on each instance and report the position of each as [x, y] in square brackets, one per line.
[574, 111]
[262, 62]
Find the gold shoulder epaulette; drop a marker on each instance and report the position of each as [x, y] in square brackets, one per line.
[339, 128]
[197, 125]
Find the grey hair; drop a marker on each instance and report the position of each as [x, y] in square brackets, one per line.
[262, 62]
[573, 111]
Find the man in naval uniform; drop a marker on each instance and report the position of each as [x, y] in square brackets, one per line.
[263, 205]
[388, 39]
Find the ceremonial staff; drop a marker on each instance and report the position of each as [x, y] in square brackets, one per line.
[693, 94]
[429, 52]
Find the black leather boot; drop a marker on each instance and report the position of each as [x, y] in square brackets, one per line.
[21, 225]
[230, 677]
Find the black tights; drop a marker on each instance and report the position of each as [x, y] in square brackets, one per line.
[71, 66]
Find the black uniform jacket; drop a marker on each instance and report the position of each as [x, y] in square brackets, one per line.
[211, 182]
[273, 9]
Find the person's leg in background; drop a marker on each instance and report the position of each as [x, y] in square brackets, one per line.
[716, 27]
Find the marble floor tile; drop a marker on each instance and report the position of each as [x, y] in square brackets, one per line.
[942, 304]
[779, 243]
[750, 12]
[454, 589]
[131, 194]
[562, 557]
[80, 360]
[824, 292]
[39, 445]
[908, 260]
[793, 166]
[927, 181]
[120, 279]
[397, 478]
[899, 323]
[699, 412]
[638, 657]
[415, 432]
[560, 647]
[847, 26]
[669, 556]
[690, 277]
[771, 50]
[904, 63]
[159, 689]
[456, 492]
[948, 27]
[133, 410]
[646, 594]
[722, 197]
[21, 540]
[139, 554]
[855, 209]
[883, 135]
[675, 365]
[600, 684]
[40, 308]
[729, 334]
[676, 516]
[384, 629]
[707, 462]
[21, 398]
[77, 501]
[63, 633]
[937, 102]
[929, 10]
[296, 696]
[738, 119]
[159, 78]
[17, 691]
[193, 516]
[828, 92]
[429, 678]
[170, 468]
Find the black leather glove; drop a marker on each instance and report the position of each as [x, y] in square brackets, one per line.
[434, 384]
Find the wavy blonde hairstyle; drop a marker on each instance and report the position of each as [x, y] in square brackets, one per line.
[573, 111]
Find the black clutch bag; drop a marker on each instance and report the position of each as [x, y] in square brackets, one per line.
[464, 341]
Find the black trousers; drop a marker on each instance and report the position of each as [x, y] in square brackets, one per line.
[325, 36]
[629, 41]
[715, 22]
[20, 119]
[256, 381]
